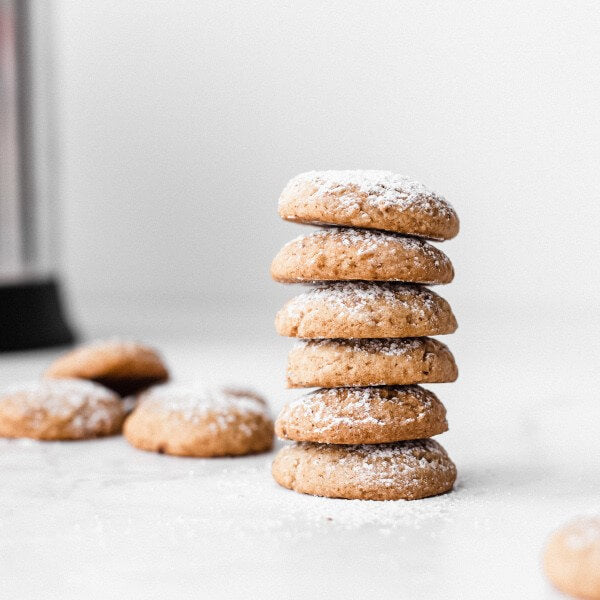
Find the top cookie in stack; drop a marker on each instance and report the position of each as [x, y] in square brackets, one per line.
[368, 199]
[363, 327]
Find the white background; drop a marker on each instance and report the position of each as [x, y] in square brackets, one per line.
[180, 122]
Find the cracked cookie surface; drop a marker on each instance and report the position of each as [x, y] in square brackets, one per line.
[369, 362]
[362, 415]
[204, 422]
[342, 254]
[399, 471]
[365, 310]
[371, 199]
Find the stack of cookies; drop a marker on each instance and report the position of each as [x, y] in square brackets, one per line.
[364, 327]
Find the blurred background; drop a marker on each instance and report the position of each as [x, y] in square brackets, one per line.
[177, 124]
[170, 128]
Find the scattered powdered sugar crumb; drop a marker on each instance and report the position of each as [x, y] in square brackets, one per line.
[583, 533]
[194, 403]
[379, 188]
[385, 346]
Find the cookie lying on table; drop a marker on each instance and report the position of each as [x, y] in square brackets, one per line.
[124, 367]
[193, 421]
[60, 409]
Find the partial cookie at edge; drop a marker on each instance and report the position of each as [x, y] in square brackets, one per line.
[572, 558]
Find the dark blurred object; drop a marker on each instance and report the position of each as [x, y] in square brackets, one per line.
[30, 306]
[31, 316]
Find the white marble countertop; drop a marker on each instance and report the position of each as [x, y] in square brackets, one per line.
[100, 519]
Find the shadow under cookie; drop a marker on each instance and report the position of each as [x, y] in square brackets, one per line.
[124, 367]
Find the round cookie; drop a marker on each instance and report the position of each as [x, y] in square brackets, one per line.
[572, 558]
[340, 254]
[59, 409]
[370, 199]
[365, 310]
[124, 367]
[399, 471]
[363, 415]
[188, 421]
[367, 362]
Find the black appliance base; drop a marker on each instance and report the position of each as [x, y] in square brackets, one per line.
[31, 316]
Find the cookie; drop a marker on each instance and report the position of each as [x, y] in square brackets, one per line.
[124, 367]
[572, 558]
[59, 409]
[336, 254]
[363, 415]
[188, 421]
[395, 361]
[399, 471]
[365, 310]
[370, 199]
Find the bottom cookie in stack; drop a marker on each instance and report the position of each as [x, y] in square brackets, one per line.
[398, 471]
[368, 443]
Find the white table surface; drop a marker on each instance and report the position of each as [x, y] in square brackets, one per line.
[100, 519]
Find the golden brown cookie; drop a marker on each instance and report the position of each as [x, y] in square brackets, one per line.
[370, 199]
[59, 409]
[188, 421]
[399, 471]
[363, 415]
[124, 367]
[572, 558]
[340, 254]
[365, 310]
[396, 361]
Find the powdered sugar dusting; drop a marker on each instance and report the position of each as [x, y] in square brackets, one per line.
[583, 534]
[327, 411]
[384, 464]
[194, 403]
[367, 241]
[88, 405]
[381, 188]
[57, 396]
[350, 299]
[385, 346]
